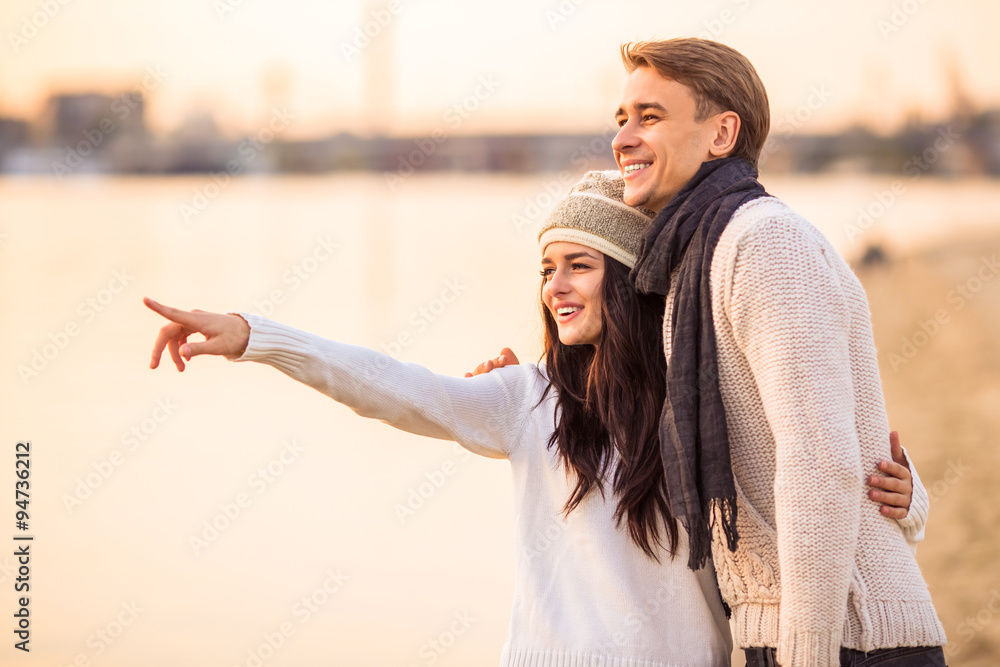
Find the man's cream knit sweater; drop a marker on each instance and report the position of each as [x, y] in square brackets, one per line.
[817, 567]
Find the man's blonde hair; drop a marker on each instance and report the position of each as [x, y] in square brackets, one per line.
[721, 79]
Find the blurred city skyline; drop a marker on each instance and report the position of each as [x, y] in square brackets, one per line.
[93, 133]
[400, 68]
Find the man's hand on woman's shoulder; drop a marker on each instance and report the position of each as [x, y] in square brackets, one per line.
[506, 358]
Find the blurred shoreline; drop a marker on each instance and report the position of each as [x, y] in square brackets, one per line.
[96, 133]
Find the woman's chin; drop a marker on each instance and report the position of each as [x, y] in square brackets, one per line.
[567, 338]
[573, 339]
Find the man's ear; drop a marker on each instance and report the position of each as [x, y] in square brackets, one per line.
[727, 129]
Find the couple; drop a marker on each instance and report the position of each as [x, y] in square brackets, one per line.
[710, 396]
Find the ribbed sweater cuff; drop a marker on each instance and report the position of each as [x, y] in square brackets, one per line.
[274, 344]
[916, 518]
[799, 648]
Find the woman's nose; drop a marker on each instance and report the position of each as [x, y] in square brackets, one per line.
[558, 283]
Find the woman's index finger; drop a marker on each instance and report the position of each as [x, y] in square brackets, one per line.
[172, 314]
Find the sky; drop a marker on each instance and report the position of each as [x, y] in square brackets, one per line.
[525, 66]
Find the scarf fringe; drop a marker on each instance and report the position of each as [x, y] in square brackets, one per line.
[700, 541]
[727, 510]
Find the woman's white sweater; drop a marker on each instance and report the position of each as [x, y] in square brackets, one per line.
[817, 567]
[584, 594]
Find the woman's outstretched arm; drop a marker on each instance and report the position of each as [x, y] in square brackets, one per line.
[485, 414]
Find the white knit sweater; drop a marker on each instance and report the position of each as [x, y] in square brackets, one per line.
[817, 567]
[584, 594]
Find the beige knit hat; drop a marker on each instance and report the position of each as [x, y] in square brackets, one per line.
[594, 214]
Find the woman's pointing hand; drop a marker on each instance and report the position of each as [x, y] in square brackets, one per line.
[225, 335]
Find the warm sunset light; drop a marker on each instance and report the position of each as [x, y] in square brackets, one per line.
[381, 174]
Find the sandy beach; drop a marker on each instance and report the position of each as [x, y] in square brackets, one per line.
[936, 316]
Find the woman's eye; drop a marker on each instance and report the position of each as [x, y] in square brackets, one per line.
[545, 273]
[580, 266]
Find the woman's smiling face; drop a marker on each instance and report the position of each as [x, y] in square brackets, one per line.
[573, 276]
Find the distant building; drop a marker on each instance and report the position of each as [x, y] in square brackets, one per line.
[93, 132]
[13, 134]
[984, 138]
[69, 119]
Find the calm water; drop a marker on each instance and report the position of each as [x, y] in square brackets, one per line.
[131, 468]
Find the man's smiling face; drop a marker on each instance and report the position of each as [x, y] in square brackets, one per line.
[660, 145]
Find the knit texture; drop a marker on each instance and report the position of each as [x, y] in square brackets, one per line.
[594, 214]
[584, 593]
[817, 566]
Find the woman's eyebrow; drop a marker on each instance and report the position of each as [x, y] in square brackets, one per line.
[576, 255]
[569, 258]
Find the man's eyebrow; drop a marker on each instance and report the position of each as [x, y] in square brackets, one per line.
[643, 106]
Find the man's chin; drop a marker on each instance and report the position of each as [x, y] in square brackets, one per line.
[635, 198]
[653, 201]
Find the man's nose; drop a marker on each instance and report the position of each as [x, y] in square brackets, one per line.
[625, 138]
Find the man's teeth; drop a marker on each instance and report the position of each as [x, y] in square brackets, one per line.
[567, 310]
[636, 167]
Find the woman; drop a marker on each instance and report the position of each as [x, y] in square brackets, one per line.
[603, 587]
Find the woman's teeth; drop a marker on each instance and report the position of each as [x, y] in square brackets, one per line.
[568, 310]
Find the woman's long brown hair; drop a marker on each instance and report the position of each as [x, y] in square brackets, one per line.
[609, 402]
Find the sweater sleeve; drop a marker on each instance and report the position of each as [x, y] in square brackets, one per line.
[485, 414]
[915, 521]
[790, 317]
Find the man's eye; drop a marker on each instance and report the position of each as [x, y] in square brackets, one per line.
[622, 121]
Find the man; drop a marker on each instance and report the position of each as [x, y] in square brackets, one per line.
[775, 410]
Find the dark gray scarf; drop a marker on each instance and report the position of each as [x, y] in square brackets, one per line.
[694, 441]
